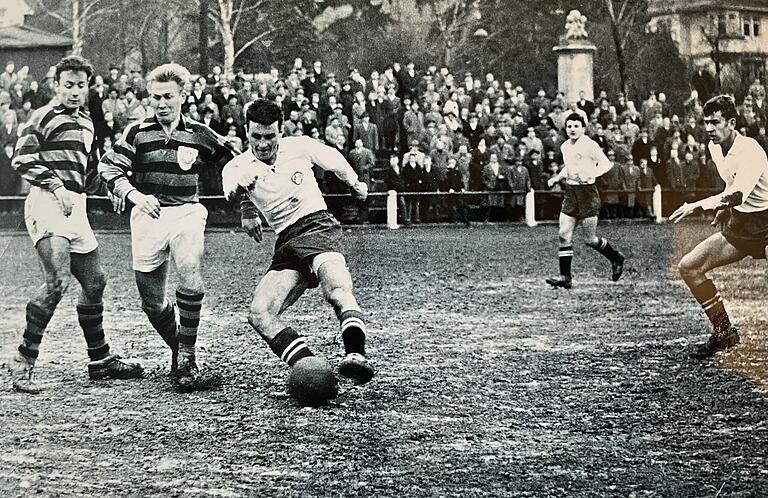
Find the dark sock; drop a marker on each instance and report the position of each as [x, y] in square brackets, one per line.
[289, 346]
[37, 321]
[709, 299]
[353, 331]
[164, 323]
[565, 257]
[91, 321]
[605, 248]
[189, 305]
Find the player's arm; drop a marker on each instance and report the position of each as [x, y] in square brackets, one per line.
[114, 168]
[27, 163]
[26, 158]
[747, 176]
[330, 159]
[603, 164]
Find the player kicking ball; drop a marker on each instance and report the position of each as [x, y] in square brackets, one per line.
[584, 162]
[274, 177]
[741, 211]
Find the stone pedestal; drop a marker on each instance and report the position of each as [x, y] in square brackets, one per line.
[575, 69]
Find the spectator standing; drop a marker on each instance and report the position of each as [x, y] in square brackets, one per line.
[412, 178]
[519, 182]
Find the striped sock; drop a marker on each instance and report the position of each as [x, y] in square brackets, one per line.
[353, 331]
[605, 248]
[164, 323]
[712, 304]
[91, 320]
[565, 257]
[289, 346]
[189, 305]
[37, 321]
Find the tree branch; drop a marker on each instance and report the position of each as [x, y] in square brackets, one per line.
[252, 41]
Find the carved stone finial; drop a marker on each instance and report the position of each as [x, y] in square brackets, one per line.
[574, 26]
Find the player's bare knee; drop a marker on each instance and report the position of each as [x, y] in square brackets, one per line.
[56, 286]
[688, 268]
[260, 314]
[337, 294]
[592, 242]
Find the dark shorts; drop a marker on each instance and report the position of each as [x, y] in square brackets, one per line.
[298, 244]
[581, 201]
[747, 232]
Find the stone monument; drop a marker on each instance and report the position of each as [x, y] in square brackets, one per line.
[575, 59]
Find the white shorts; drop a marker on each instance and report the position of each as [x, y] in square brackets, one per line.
[178, 226]
[44, 219]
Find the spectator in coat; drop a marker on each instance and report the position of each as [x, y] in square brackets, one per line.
[646, 184]
[412, 177]
[494, 179]
[519, 182]
[429, 207]
[368, 132]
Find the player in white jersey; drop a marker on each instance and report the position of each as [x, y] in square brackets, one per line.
[741, 211]
[274, 177]
[584, 162]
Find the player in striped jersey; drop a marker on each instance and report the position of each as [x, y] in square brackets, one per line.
[52, 154]
[584, 162]
[741, 211]
[275, 178]
[156, 165]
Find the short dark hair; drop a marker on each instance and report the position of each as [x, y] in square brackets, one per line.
[723, 103]
[74, 63]
[575, 116]
[264, 112]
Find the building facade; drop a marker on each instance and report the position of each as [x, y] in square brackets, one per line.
[725, 36]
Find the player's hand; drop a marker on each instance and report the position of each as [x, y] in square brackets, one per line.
[148, 204]
[252, 227]
[721, 217]
[551, 182]
[360, 190]
[235, 177]
[118, 203]
[66, 200]
[682, 212]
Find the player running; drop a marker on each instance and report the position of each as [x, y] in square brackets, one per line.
[165, 155]
[52, 154]
[276, 176]
[584, 162]
[741, 211]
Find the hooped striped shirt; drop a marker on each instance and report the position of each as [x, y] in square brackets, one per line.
[146, 159]
[54, 148]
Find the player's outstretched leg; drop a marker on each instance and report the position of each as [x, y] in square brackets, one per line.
[336, 282]
[604, 247]
[86, 268]
[565, 252]
[54, 256]
[159, 310]
[713, 252]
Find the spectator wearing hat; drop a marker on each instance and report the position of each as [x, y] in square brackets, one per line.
[473, 132]
[368, 132]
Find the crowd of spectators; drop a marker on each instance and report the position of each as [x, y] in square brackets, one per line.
[425, 130]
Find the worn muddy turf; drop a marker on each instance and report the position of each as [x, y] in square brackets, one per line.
[489, 382]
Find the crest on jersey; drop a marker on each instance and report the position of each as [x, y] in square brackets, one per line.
[297, 178]
[186, 157]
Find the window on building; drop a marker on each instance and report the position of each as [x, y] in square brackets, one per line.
[751, 26]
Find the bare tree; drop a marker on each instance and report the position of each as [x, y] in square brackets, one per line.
[75, 15]
[713, 39]
[624, 16]
[227, 17]
[456, 21]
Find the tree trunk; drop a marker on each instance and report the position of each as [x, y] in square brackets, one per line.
[620, 58]
[203, 40]
[77, 37]
[227, 38]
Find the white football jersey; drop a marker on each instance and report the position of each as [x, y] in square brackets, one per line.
[287, 190]
[744, 169]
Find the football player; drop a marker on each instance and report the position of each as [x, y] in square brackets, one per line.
[741, 211]
[274, 177]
